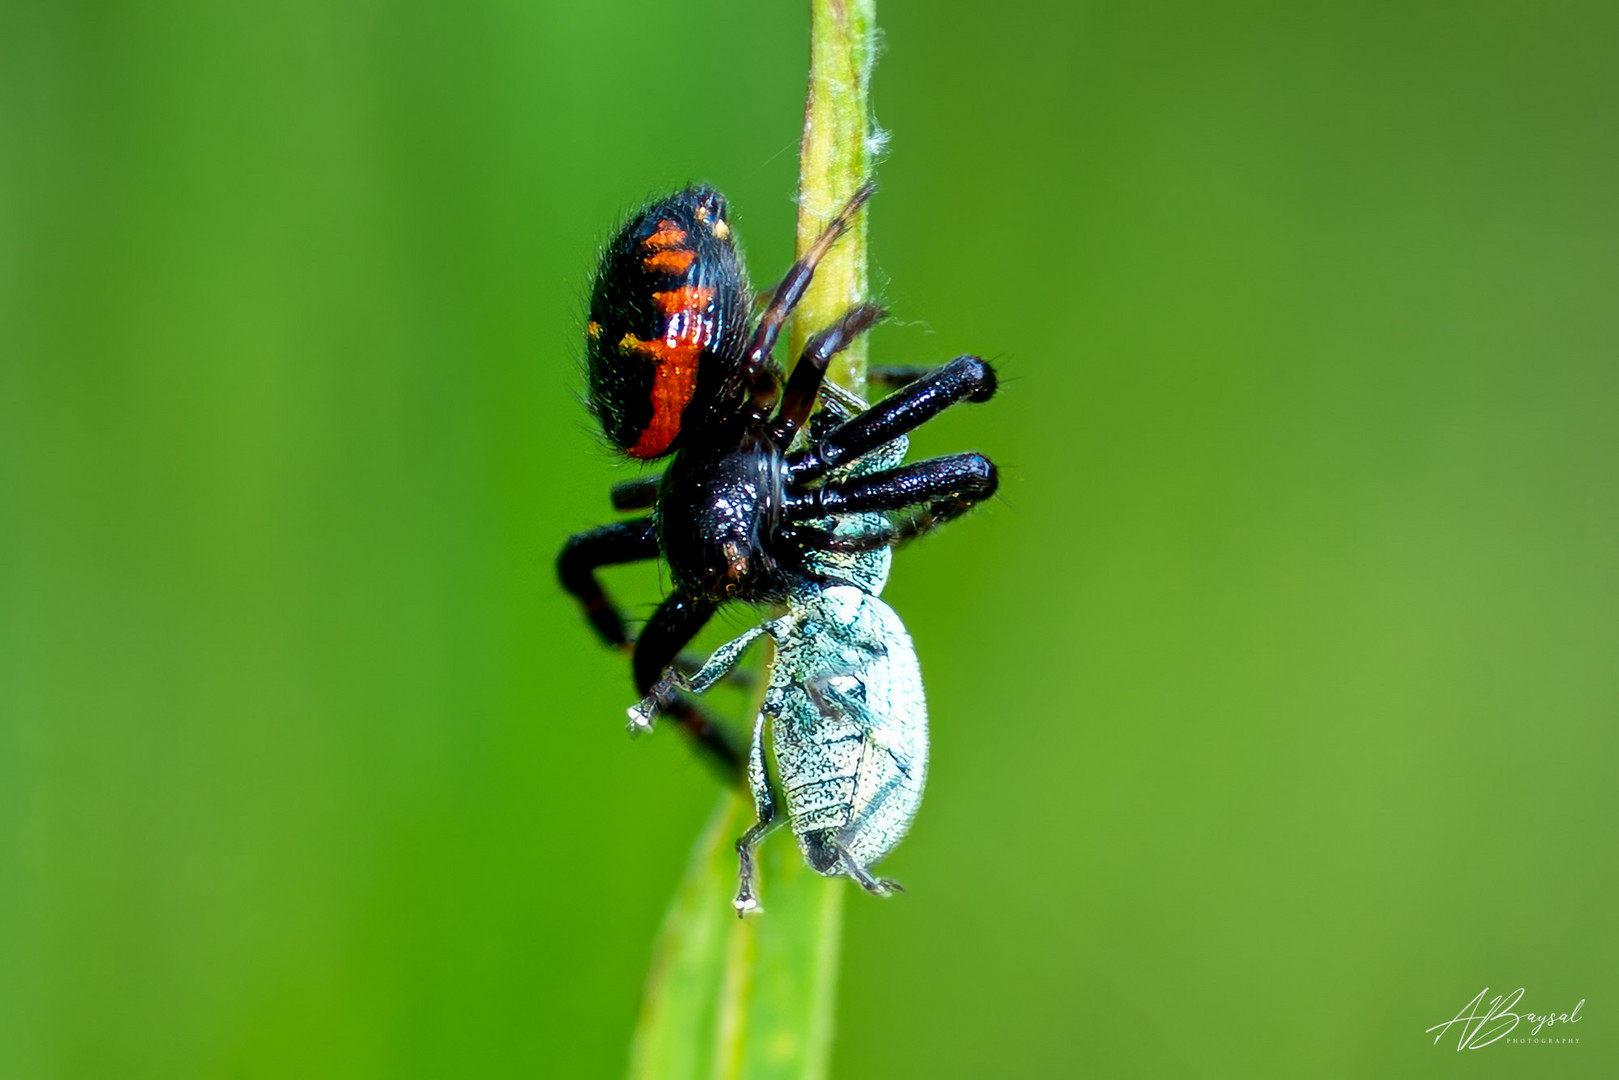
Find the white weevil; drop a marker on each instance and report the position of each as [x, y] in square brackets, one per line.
[844, 708]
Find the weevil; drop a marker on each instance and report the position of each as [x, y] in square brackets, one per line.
[844, 709]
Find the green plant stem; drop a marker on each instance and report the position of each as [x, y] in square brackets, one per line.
[835, 159]
[754, 1000]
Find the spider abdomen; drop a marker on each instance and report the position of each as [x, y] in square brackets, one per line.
[668, 322]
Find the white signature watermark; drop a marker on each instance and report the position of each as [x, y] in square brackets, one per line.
[1484, 1024]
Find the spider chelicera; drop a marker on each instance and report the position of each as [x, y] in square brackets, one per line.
[674, 368]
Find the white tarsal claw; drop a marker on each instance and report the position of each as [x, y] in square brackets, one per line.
[640, 715]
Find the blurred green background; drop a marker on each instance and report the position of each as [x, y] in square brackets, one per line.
[1274, 699]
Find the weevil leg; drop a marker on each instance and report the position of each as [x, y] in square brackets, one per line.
[964, 378]
[676, 680]
[764, 803]
[837, 406]
[723, 663]
[672, 626]
[865, 878]
[809, 538]
[828, 856]
[689, 663]
[832, 853]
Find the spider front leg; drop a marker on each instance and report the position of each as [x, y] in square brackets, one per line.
[964, 378]
[946, 486]
[810, 371]
[787, 295]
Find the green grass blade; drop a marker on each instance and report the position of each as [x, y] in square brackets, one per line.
[794, 952]
[733, 999]
[677, 1035]
[837, 156]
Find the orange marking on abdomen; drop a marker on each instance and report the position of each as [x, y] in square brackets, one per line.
[668, 235]
[675, 380]
[686, 298]
[670, 260]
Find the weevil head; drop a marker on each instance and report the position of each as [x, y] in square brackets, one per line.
[820, 852]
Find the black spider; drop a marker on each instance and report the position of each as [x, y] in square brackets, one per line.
[674, 368]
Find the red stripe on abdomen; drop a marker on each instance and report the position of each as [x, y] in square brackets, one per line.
[676, 356]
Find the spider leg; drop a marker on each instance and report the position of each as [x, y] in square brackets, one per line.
[608, 545]
[756, 360]
[925, 519]
[811, 538]
[839, 405]
[908, 527]
[946, 486]
[805, 382]
[638, 494]
[671, 628]
[965, 377]
[895, 376]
